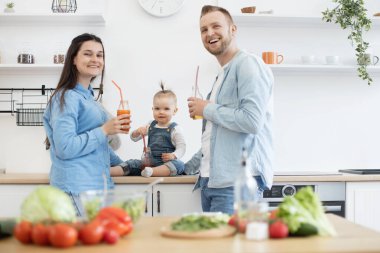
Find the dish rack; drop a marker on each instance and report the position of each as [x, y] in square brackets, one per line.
[30, 111]
[32, 107]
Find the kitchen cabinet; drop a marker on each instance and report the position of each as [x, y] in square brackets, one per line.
[175, 199]
[362, 203]
[139, 188]
[11, 198]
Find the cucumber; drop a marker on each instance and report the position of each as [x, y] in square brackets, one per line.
[306, 229]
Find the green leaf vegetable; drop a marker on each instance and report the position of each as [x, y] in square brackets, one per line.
[196, 222]
[353, 15]
[305, 208]
[47, 203]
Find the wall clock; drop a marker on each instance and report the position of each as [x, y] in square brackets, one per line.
[161, 8]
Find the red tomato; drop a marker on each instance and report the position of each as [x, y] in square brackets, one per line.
[120, 227]
[273, 214]
[91, 233]
[115, 212]
[111, 236]
[62, 235]
[278, 229]
[40, 234]
[242, 226]
[232, 221]
[23, 232]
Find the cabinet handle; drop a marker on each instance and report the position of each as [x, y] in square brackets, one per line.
[158, 202]
[146, 202]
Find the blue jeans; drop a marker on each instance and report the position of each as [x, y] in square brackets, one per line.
[222, 199]
[133, 167]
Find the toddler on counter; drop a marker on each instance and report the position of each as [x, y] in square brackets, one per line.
[165, 141]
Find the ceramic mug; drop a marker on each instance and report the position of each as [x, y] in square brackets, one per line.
[308, 59]
[272, 57]
[332, 59]
[368, 59]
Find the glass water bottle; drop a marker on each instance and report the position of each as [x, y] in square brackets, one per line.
[245, 191]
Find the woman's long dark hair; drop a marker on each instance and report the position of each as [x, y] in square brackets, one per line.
[69, 75]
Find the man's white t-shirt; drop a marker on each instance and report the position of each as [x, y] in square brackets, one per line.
[206, 143]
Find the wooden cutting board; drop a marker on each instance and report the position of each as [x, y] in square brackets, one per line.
[223, 231]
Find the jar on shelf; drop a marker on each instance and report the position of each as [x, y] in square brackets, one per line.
[25, 55]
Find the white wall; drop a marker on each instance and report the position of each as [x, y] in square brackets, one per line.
[322, 121]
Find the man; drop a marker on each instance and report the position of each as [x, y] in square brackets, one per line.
[237, 114]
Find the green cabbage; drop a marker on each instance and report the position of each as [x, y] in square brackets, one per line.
[47, 203]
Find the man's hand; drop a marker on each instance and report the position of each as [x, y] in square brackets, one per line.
[196, 106]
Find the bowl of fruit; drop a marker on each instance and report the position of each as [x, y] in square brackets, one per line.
[133, 202]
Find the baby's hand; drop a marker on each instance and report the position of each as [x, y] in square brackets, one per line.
[140, 131]
[168, 157]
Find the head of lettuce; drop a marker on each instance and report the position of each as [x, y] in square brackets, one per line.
[47, 203]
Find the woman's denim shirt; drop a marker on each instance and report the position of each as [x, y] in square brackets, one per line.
[79, 150]
[241, 117]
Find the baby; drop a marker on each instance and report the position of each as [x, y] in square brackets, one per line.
[165, 141]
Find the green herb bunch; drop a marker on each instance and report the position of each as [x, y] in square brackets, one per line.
[352, 14]
[10, 5]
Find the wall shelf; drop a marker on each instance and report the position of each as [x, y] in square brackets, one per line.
[52, 19]
[268, 20]
[30, 68]
[301, 68]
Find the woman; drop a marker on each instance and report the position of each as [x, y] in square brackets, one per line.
[77, 125]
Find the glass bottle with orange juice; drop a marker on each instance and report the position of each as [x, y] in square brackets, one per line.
[196, 93]
[124, 109]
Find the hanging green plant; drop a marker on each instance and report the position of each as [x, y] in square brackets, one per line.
[352, 14]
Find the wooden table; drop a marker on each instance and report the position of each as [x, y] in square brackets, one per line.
[147, 239]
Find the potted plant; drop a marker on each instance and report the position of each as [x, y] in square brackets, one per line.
[352, 14]
[9, 7]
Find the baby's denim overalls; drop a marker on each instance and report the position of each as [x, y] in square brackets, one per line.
[159, 141]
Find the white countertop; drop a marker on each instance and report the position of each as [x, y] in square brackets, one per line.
[21, 178]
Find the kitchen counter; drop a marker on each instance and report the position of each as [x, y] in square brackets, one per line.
[21, 178]
[146, 238]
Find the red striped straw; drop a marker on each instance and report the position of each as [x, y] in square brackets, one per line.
[121, 93]
[143, 137]
[196, 82]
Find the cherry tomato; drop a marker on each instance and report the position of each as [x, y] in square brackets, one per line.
[232, 221]
[111, 236]
[273, 214]
[62, 235]
[278, 229]
[115, 212]
[120, 227]
[91, 233]
[242, 226]
[40, 234]
[23, 232]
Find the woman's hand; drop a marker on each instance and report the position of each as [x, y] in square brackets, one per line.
[166, 157]
[119, 124]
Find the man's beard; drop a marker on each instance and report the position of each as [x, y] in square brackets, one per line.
[218, 51]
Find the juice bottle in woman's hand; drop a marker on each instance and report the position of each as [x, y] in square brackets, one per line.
[124, 109]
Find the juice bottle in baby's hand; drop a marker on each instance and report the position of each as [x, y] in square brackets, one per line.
[124, 109]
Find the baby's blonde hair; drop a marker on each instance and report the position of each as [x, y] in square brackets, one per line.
[164, 92]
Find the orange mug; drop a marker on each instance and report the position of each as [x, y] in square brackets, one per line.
[272, 57]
